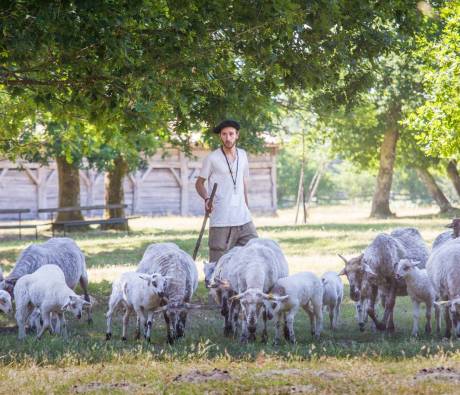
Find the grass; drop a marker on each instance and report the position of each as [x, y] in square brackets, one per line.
[345, 361]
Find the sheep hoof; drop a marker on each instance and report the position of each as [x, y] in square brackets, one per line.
[124, 338]
[90, 321]
[108, 336]
[362, 326]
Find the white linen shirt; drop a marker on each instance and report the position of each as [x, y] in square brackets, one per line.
[227, 210]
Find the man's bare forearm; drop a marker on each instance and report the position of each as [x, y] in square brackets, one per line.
[246, 192]
[200, 188]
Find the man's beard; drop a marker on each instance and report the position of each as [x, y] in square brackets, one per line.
[229, 144]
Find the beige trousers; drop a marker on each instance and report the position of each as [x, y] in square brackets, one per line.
[222, 239]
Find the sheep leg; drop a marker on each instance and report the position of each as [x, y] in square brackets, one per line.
[415, 316]
[437, 315]
[225, 311]
[244, 338]
[331, 316]
[125, 324]
[168, 328]
[318, 313]
[290, 326]
[371, 310]
[311, 315]
[180, 326]
[84, 286]
[22, 314]
[61, 325]
[149, 326]
[285, 328]
[277, 319]
[264, 338]
[428, 318]
[137, 335]
[391, 301]
[45, 326]
[236, 317]
[336, 315]
[448, 322]
[141, 323]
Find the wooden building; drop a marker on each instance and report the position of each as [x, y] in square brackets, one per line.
[166, 186]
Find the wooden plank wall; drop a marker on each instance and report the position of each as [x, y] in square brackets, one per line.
[166, 186]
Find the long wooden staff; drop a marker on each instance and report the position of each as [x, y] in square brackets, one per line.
[205, 219]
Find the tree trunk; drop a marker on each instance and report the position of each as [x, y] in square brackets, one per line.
[381, 200]
[452, 172]
[69, 190]
[114, 193]
[435, 191]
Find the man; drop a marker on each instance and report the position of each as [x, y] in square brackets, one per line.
[231, 222]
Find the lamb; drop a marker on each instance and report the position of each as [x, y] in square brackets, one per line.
[136, 292]
[5, 302]
[332, 296]
[60, 251]
[257, 271]
[47, 290]
[420, 290]
[443, 268]
[180, 269]
[374, 271]
[288, 295]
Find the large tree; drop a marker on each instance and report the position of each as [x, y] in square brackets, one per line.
[183, 65]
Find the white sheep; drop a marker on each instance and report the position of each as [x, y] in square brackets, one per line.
[288, 295]
[332, 296]
[257, 270]
[60, 251]
[223, 283]
[443, 268]
[420, 290]
[180, 269]
[136, 292]
[5, 302]
[47, 290]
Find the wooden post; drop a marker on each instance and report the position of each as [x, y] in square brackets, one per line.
[135, 180]
[183, 185]
[41, 189]
[273, 180]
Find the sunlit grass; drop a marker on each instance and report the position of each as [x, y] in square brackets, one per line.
[342, 361]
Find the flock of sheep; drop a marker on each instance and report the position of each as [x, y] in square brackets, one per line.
[249, 284]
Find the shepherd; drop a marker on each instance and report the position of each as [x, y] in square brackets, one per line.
[230, 220]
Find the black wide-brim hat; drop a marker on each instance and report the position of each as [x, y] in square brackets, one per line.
[225, 124]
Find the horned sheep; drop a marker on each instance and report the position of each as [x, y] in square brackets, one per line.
[332, 296]
[443, 268]
[45, 289]
[136, 292]
[373, 271]
[180, 270]
[420, 290]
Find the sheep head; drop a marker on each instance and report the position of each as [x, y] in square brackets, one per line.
[354, 270]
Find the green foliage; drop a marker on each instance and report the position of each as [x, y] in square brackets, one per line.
[164, 69]
[438, 118]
